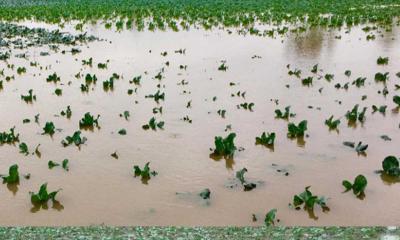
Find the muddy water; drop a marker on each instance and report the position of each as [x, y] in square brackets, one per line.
[100, 189]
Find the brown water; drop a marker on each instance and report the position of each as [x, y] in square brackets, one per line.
[100, 189]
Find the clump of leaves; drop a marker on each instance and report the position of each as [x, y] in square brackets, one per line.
[225, 146]
[145, 173]
[122, 131]
[309, 200]
[136, 80]
[125, 114]
[270, 218]
[43, 196]
[358, 187]
[382, 61]
[108, 84]
[74, 139]
[58, 91]
[381, 109]
[23, 148]
[153, 124]
[13, 175]
[67, 112]
[286, 114]
[49, 128]
[221, 112]
[360, 148]
[331, 123]
[390, 166]
[266, 139]
[29, 97]
[21, 70]
[89, 79]
[205, 194]
[222, 67]
[64, 164]
[89, 121]
[359, 81]
[307, 81]
[53, 78]
[354, 115]
[247, 106]
[381, 77]
[297, 131]
[9, 137]
[247, 186]
[396, 99]
[157, 96]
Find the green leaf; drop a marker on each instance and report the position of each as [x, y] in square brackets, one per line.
[122, 132]
[240, 175]
[225, 146]
[23, 148]
[205, 194]
[270, 217]
[43, 196]
[390, 166]
[52, 164]
[347, 185]
[266, 139]
[13, 175]
[65, 164]
[49, 128]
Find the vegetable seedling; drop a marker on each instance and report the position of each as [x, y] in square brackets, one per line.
[225, 146]
[358, 187]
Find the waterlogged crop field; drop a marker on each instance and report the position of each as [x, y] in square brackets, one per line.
[278, 121]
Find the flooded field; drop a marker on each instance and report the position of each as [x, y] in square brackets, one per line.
[208, 79]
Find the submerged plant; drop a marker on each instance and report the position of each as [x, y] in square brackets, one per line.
[390, 166]
[286, 114]
[43, 196]
[9, 137]
[30, 97]
[358, 187]
[49, 128]
[74, 139]
[266, 139]
[247, 186]
[270, 218]
[309, 200]
[53, 78]
[331, 123]
[89, 121]
[144, 173]
[225, 146]
[13, 175]
[297, 131]
[153, 124]
[354, 115]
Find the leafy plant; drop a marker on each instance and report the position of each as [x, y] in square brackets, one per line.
[52, 164]
[266, 139]
[309, 200]
[381, 77]
[13, 175]
[23, 148]
[331, 123]
[222, 67]
[30, 97]
[205, 194]
[285, 114]
[354, 115]
[390, 166]
[360, 148]
[74, 139]
[145, 173]
[67, 112]
[225, 146]
[9, 137]
[89, 121]
[270, 218]
[157, 96]
[247, 186]
[53, 78]
[396, 99]
[153, 124]
[43, 196]
[381, 109]
[49, 128]
[382, 60]
[359, 185]
[297, 131]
